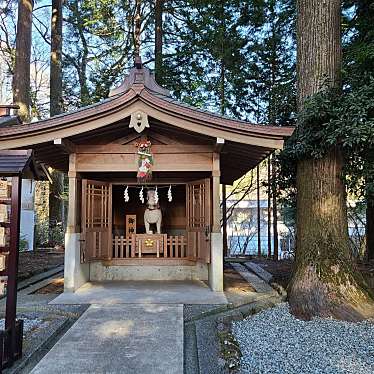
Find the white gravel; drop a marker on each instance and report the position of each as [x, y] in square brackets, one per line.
[273, 341]
[28, 324]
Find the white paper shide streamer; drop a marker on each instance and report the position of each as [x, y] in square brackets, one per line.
[126, 194]
[170, 196]
[156, 195]
[141, 195]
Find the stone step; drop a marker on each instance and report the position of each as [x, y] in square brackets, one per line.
[256, 282]
[259, 271]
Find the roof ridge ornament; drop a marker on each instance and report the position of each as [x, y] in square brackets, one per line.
[140, 76]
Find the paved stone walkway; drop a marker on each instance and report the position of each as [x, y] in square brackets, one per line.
[122, 338]
[143, 292]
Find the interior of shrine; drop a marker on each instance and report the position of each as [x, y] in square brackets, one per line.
[128, 217]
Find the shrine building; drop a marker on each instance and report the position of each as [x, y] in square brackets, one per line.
[140, 143]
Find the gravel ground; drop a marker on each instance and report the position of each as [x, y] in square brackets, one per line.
[273, 341]
[29, 324]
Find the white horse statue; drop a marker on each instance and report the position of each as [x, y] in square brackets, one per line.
[152, 214]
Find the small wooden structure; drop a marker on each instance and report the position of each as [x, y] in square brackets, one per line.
[14, 165]
[193, 152]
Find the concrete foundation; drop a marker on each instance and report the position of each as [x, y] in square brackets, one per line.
[75, 273]
[99, 272]
[216, 263]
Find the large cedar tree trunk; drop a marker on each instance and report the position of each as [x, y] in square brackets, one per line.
[325, 282]
[159, 4]
[56, 205]
[370, 227]
[56, 62]
[21, 77]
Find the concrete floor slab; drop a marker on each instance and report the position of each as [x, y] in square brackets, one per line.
[142, 292]
[128, 339]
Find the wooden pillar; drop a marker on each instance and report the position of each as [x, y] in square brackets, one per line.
[216, 175]
[215, 268]
[224, 220]
[12, 266]
[73, 222]
[275, 213]
[76, 269]
[269, 207]
[258, 213]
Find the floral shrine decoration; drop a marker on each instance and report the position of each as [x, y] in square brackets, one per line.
[145, 161]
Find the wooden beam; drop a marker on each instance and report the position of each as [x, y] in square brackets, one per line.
[131, 149]
[65, 145]
[129, 162]
[220, 142]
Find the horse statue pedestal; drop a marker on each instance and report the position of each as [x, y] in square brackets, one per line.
[150, 244]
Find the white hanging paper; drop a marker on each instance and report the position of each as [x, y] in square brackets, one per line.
[156, 196]
[170, 196]
[126, 194]
[141, 196]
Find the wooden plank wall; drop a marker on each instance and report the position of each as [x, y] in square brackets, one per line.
[118, 158]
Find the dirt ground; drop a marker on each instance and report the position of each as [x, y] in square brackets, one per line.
[35, 262]
[234, 281]
[55, 287]
[282, 270]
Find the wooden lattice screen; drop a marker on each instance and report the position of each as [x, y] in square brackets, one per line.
[198, 212]
[96, 220]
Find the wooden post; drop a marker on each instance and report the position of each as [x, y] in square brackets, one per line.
[11, 300]
[224, 220]
[73, 223]
[258, 213]
[269, 207]
[275, 213]
[216, 219]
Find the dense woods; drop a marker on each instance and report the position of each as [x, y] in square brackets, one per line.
[245, 59]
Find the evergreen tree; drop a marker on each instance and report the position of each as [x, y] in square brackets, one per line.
[21, 78]
[359, 79]
[325, 282]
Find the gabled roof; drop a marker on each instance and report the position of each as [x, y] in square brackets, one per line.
[139, 90]
[19, 162]
[246, 144]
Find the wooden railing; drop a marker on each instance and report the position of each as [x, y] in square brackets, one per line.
[150, 246]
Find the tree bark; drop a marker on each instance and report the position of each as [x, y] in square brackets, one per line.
[325, 282]
[370, 227]
[56, 204]
[56, 62]
[21, 78]
[159, 4]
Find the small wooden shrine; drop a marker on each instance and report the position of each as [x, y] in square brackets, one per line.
[140, 139]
